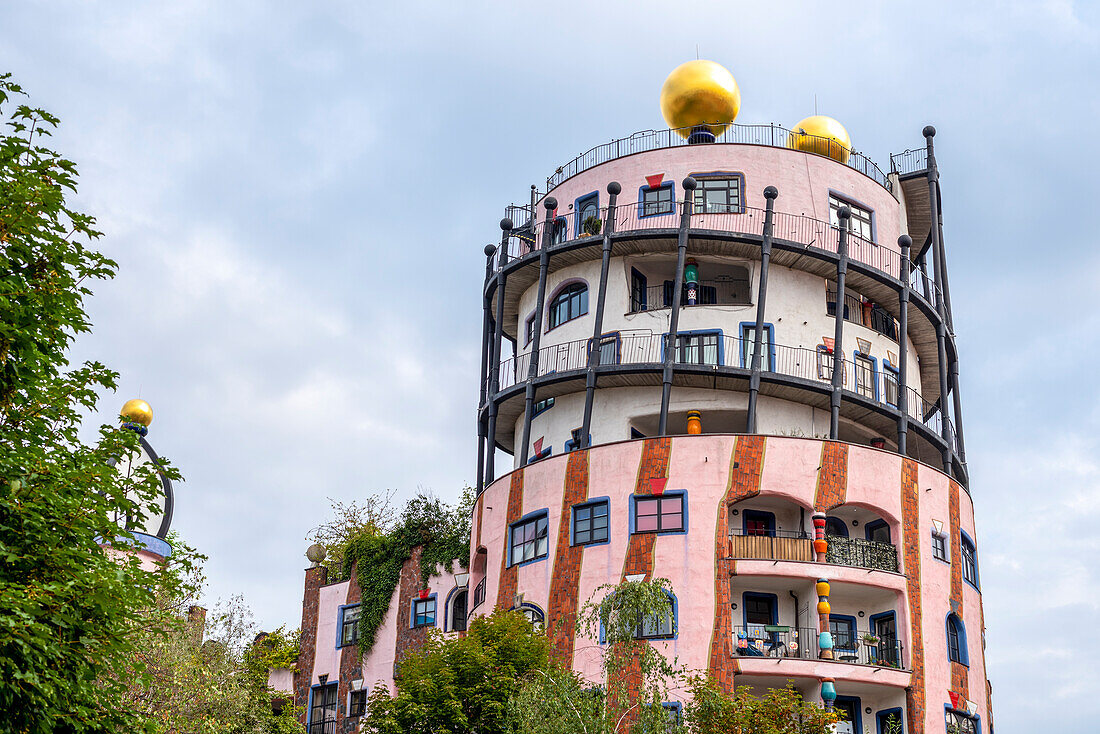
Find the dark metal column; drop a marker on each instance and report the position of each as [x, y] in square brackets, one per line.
[941, 306]
[672, 340]
[838, 333]
[494, 354]
[770, 193]
[905, 242]
[614, 189]
[533, 368]
[486, 330]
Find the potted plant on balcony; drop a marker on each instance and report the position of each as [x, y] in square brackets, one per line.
[870, 640]
[591, 226]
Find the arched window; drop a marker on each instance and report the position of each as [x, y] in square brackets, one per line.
[956, 640]
[534, 615]
[835, 526]
[568, 304]
[456, 611]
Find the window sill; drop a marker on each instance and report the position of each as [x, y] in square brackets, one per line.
[530, 561]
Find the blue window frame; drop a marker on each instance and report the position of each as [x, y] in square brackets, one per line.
[704, 348]
[885, 718]
[960, 722]
[610, 348]
[956, 641]
[757, 522]
[639, 291]
[969, 554]
[675, 711]
[851, 707]
[423, 612]
[347, 625]
[590, 523]
[322, 708]
[542, 406]
[759, 609]
[843, 629]
[529, 538]
[835, 526]
[767, 344]
[891, 381]
[878, 531]
[534, 615]
[659, 513]
[866, 372]
[571, 302]
[585, 207]
[574, 442]
[656, 201]
[660, 626]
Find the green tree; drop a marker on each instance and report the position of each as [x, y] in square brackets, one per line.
[779, 711]
[69, 609]
[460, 684]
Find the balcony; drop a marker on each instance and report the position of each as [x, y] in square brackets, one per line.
[862, 553]
[781, 641]
[773, 545]
[863, 312]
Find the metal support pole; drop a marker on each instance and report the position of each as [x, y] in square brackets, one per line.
[486, 327]
[905, 242]
[613, 189]
[533, 368]
[941, 306]
[838, 333]
[770, 193]
[672, 340]
[494, 354]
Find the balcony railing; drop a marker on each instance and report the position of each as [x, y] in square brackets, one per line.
[909, 161]
[862, 553]
[729, 292]
[808, 232]
[879, 319]
[647, 350]
[775, 545]
[773, 136]
[780, 641]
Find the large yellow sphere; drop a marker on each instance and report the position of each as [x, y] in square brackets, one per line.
[137, 411]
[700, 93]
[822, 135]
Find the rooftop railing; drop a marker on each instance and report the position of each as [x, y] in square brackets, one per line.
[909, 161]
[798, 229]
[646, 349]
[773, 136]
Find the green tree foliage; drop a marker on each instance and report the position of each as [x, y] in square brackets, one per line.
[69, 609]
[376, 542]
[461, 684]
[779, 711]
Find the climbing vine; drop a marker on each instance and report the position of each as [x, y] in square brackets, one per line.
[441, 531]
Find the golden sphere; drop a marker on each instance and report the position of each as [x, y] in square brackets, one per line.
[821, 135]
[700, 93]
[137, 411]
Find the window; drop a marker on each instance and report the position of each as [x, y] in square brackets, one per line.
[571, 302]
[529, 329]
[560, 231]
[479, 594]
[835, 526]
[659, 514]
[674, 709]
[699, 348]
[659, 625]
[969, 561]
[760, 609]
[889, 721]
[529, 539]
[849, 709]
[755, 522]
[534, 616]
[639, 297]
[865, 376]
[718, 195]
[883, 322]
[878, 531]
[542, 406]
[748, 341]
[956, 640]
[890, 379]
[656, 201]
[824, 364]
[458, 611]
[588, 206]
[349, 625]
[357, 703]
[860, 223]
[322, 710]
[960, 722]
[590, 523]
[609, 348]
[939, 547]
[843, 630]
[424, 612]
[574, 441]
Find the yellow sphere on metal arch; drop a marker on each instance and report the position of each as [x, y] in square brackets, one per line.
[822, 135]
[700, 93]
[137, 411]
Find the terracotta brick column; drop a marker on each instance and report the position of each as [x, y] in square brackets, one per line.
[832, 477]
[316, 577]
[565, 580]
[506, 590]
[911, 534]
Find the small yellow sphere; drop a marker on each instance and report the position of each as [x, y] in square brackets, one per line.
[821, 135]
[137, 411]
[700, 94]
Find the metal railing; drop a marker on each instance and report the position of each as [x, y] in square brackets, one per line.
[773, 136]
[861, 553]
[647, 349]
[798, 229]
[878, 319]
[781, 641]
[909, 161]
[710, 293]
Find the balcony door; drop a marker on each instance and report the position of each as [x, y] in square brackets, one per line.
[886, 630]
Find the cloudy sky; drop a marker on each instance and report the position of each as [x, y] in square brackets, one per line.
[298, 194]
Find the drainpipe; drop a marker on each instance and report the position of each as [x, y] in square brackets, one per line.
[613, 189]
[770, 193]
[941, 304]
[486, 327]
[838, 333]
[797, 615]
[672, 339]
[905, 242]
[533, 369]
[494, 353]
